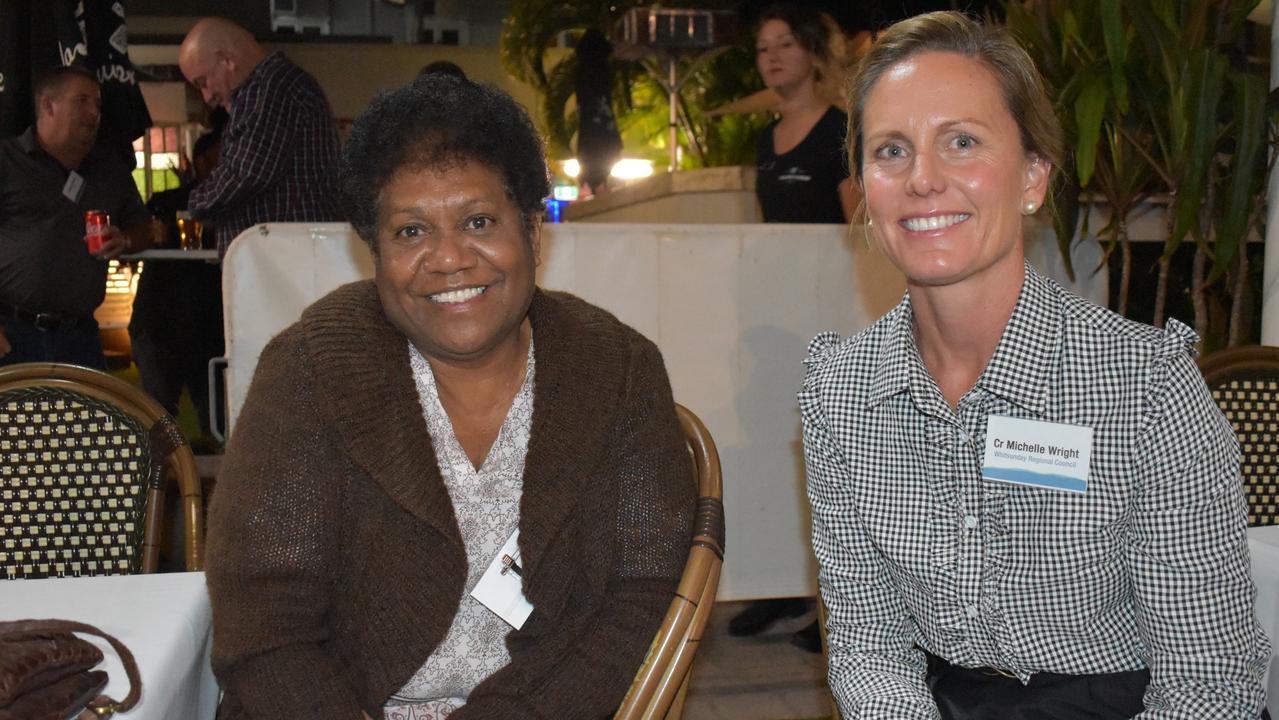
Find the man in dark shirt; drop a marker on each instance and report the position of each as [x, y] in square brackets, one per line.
[176, 325]
[280, 150]
[49, 282]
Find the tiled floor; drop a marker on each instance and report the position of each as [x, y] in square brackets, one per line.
[763, 677]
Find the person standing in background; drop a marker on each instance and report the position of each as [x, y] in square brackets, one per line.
[176, 325]
[50, 283]
[802, 170]
[599, 144]
[801, 177]
[280, 150]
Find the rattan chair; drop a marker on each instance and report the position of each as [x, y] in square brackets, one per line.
[662, 682]
[82, 475]
[1245, 383]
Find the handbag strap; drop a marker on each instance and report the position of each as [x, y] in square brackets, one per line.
[102, 706]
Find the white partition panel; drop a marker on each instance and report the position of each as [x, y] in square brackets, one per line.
[269, 275]
[731, 306]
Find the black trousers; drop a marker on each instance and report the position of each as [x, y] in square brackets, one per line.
[74, 340]
[982, 694]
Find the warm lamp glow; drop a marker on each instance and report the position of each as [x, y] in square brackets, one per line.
[632, 168]
[159, 160]
[624, 169]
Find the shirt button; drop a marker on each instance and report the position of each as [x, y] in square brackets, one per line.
[971, 609]
[970, 521]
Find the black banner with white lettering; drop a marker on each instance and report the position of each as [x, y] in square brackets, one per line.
[15, 48]
[38, 34]
[124, 112]
[15, 64]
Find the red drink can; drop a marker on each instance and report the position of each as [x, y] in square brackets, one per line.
[96, 223]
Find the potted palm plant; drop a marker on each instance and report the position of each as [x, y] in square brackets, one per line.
[1161, 101]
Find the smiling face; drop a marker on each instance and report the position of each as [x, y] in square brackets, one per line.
[455, 267]
[945, 176]
[782, 61]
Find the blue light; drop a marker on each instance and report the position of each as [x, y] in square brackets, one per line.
[553, 208]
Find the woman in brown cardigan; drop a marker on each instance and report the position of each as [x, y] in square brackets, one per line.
[406, 428]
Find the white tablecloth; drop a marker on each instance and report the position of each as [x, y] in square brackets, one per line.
[164, 619]
[1263, 546]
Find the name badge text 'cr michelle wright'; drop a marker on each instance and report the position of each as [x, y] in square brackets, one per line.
[1053, 456]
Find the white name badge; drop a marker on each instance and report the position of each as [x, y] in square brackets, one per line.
[500, 588]
[1048, 455]
[73, 187]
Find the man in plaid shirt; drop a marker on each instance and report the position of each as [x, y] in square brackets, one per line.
[280, 150]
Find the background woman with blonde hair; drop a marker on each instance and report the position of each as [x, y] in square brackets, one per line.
[802, 172]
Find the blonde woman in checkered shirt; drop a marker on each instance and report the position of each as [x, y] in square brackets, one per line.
[1024, 505]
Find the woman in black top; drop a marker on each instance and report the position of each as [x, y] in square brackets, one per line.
[802, 172]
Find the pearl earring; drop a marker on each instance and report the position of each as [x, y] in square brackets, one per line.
[868, 230]
[1031, 208]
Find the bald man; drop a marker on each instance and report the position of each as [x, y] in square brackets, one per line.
[280, 148]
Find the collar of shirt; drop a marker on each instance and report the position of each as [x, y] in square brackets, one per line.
[260, 71]
[1031, 342]
[28, 140]
[31, 146]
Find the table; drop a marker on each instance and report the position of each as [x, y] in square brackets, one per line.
[164, 619]
[173, 254]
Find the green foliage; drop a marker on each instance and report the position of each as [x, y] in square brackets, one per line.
[1245, 179]
[532, 28]
[1158, 97]
[639, 99]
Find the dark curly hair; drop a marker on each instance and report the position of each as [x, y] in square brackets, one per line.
[435, 122]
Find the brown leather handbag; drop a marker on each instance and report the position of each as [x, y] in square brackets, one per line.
[46, 672]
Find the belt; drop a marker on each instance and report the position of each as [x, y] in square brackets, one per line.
[41, 320]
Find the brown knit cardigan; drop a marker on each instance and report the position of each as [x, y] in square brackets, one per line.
[335, 564]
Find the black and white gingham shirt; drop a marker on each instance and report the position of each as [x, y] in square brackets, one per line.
[279, 155]
[1148, 568]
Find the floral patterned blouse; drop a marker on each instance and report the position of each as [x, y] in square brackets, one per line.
[487, 505]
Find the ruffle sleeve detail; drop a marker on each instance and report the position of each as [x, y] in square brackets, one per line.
[1178, 338]
[821, 348]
